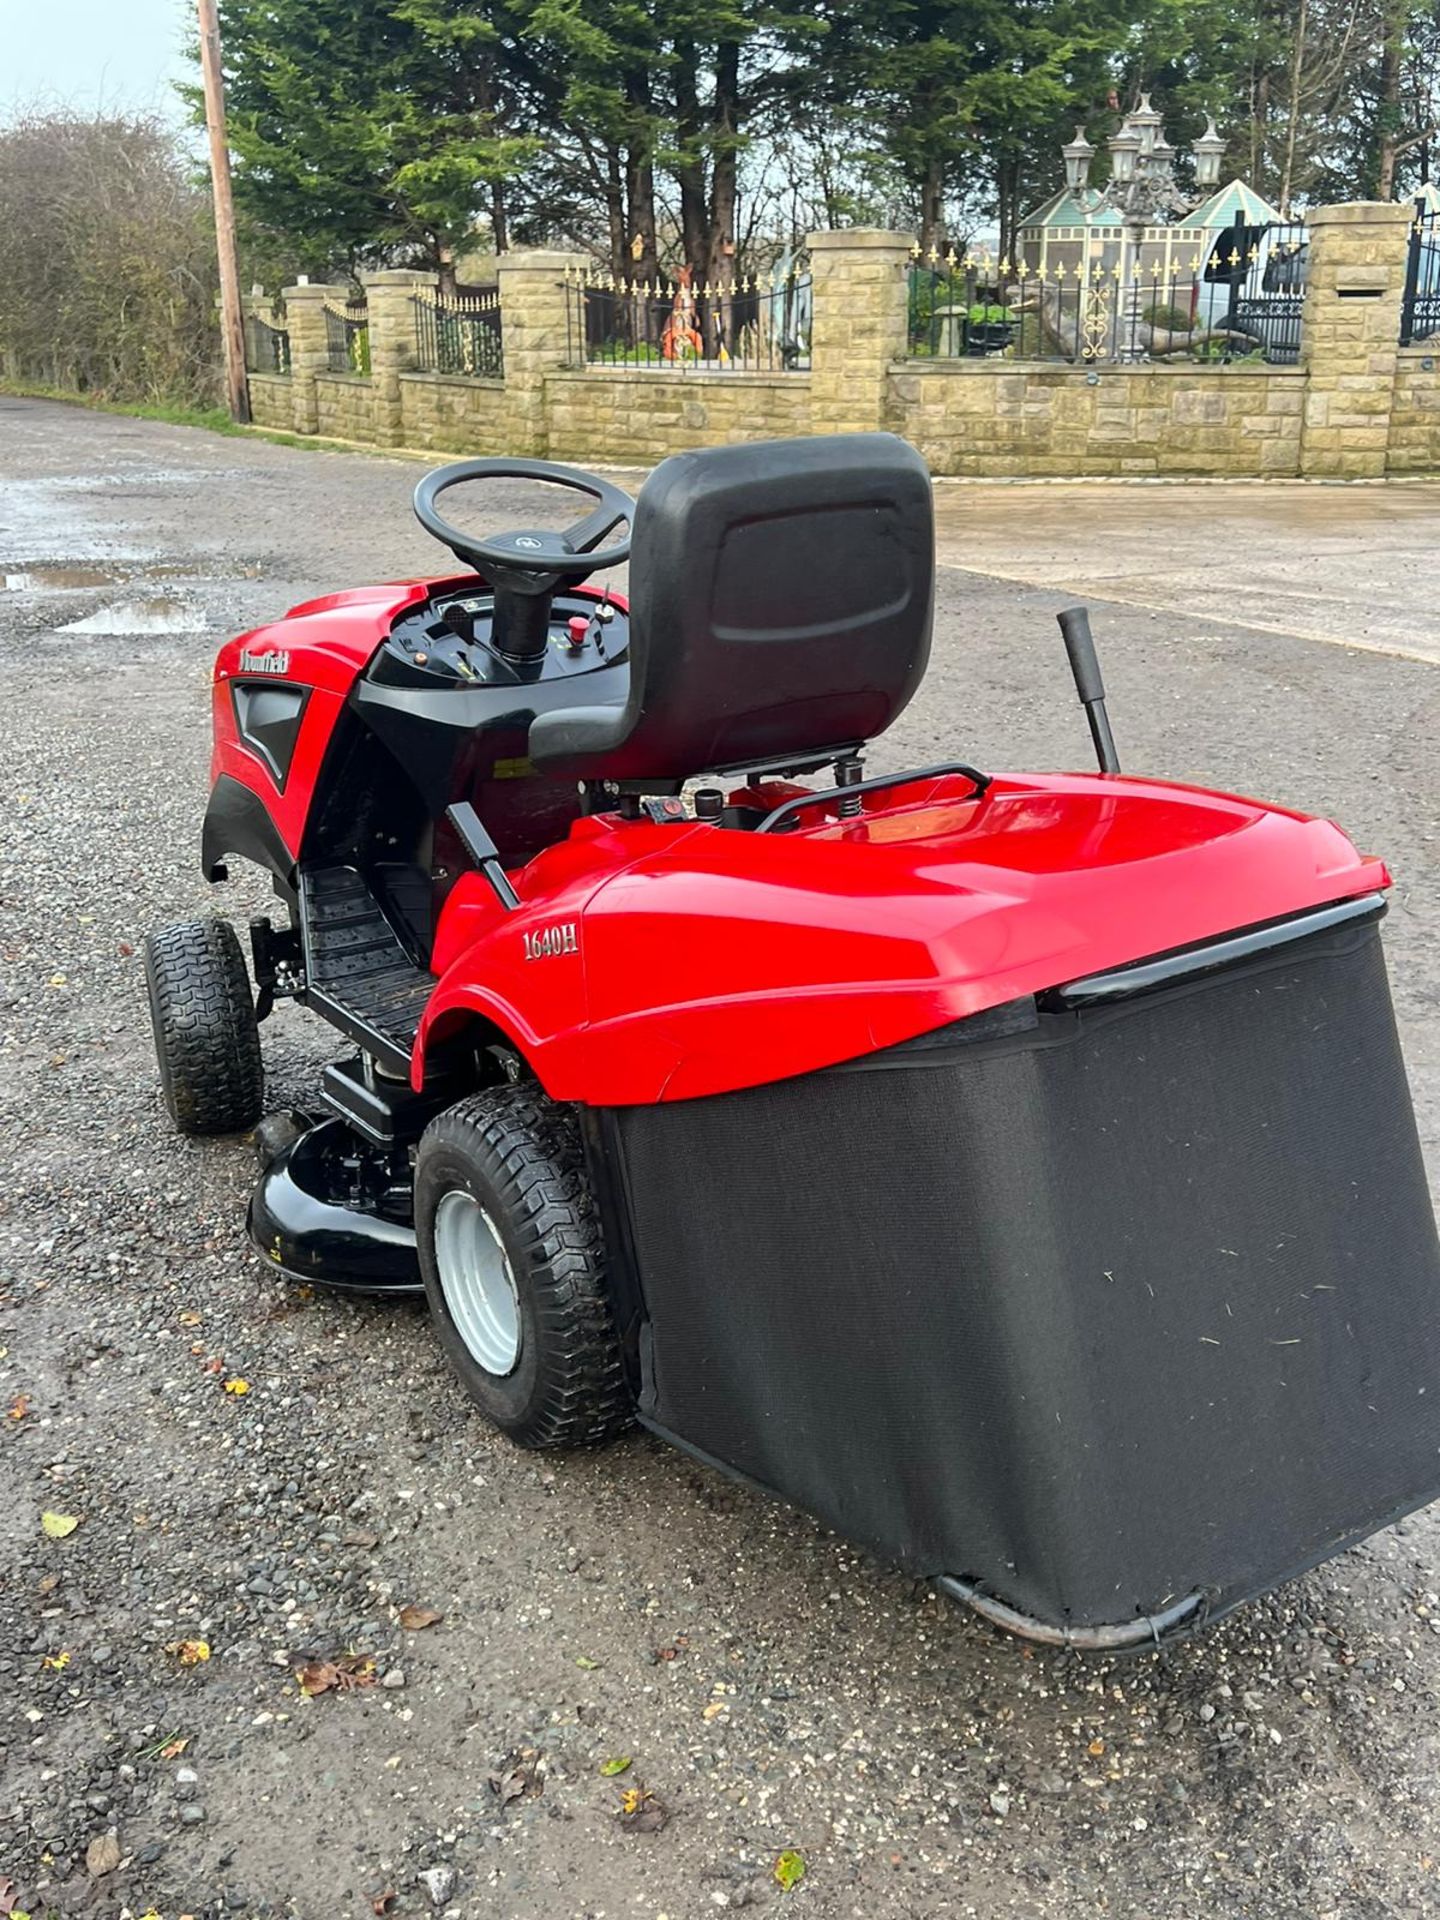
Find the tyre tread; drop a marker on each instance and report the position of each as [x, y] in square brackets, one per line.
[206, 1036]
[533, 1149]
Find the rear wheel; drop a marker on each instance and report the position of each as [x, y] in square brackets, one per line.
[511, 1253]
[207, 1041]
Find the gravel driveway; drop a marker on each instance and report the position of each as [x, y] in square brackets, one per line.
[771, 1687]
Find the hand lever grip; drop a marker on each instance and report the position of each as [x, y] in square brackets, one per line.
[1085, 667]
[483, 851]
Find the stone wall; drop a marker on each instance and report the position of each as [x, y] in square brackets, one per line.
[344, 406]
[1356, 406]
[1351, 339]
[970, 417]
[453, 414]
[1415, 412]
[271, 402]
[634, 418]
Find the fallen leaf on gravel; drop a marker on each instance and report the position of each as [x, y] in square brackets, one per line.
[1095, 1749]
[8, 1895]
[789, 1870]
[519, 1773]
[351, 1670]
[641, 1811]
[216, 1362]
[47, 1583]
[20, 1406]
[189, 1653]
[412, 1619]
[612, 1767]
[56, 1662]
[173, 1749]
[190, 1318]
[359, 1539]
[102, 1856]
[237, 1385]
[59, 1526]
[124, 949]
[586, 1664]
[715, 1709]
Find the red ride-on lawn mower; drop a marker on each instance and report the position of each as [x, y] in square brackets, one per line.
[1017, 1171]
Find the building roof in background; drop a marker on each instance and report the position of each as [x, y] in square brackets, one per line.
[1062, 209]
[1227, 204]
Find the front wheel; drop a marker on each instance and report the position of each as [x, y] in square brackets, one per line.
[207, 1041]
[511, 1253]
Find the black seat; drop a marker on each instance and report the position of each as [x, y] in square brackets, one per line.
[781, 600]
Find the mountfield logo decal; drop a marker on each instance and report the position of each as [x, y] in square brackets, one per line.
[264, 662]
[550, 941]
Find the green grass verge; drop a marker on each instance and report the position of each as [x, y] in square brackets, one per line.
[208, 419]
[213, 419]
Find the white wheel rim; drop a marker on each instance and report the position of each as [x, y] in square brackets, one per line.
[477, 1283]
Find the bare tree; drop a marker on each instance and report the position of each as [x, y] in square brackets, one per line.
[109, 280]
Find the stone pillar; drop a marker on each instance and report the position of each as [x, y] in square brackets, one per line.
[388, 300]
[537, 332]
[1351, 336]
[309, 347]
[860, 280]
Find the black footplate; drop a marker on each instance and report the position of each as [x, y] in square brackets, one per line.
[357, 971]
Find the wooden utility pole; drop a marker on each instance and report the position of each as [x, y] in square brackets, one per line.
[232, 320]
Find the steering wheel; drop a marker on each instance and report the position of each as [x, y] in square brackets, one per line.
[534, 560]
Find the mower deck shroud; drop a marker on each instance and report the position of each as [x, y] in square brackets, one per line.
[1021, 1179]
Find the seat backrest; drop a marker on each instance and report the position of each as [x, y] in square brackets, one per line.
[781, 600]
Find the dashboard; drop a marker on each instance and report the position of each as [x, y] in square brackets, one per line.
[446, 642]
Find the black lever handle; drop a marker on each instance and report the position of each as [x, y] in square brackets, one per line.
[1085, 667]
[483, 851]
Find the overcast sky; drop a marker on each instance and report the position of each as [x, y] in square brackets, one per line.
[88, 53]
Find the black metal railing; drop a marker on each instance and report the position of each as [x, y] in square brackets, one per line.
[1116, 298]
[1266, 270]
[347, 337]
[460, 333]
[1420, 308]
[267, 345]
[751, 324]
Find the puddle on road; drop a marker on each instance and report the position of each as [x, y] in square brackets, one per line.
[47, 579]
[72, 576]
[148, 615]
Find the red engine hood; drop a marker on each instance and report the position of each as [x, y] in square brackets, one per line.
[689, 960]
